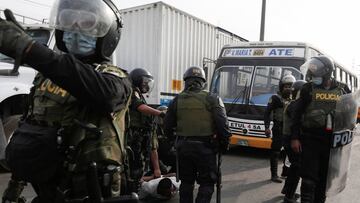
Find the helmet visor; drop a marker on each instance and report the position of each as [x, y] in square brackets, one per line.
[93, 18]
[316, 68]
[147, 85]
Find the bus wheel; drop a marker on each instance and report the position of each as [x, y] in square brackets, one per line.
[7, 128]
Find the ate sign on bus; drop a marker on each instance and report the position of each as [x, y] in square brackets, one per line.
[264, 52]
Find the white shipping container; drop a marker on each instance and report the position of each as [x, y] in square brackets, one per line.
[166, 41]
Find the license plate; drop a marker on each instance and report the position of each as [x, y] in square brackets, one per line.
[243, 143]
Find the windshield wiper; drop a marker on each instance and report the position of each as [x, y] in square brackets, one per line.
[241, 94]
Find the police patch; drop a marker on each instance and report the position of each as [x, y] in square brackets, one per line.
[114, 70]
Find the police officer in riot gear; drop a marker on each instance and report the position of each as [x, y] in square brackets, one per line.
[275, 107]
[312, 126]
[166, 150]
[292, 178]
[199, 121]
[75, 122]
[140, 129]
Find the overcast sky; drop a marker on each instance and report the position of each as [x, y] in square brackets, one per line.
[330, 25]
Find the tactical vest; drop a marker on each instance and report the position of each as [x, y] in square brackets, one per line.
[286, 120]
[278, 112]
[54, 106]
[194, 116]
[323, 103]
[138, 119]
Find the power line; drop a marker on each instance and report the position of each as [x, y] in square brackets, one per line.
[37, 3]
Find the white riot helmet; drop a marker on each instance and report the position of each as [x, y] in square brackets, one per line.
[286, 80]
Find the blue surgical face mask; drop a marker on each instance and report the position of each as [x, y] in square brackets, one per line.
[79, 44]
[317, 80]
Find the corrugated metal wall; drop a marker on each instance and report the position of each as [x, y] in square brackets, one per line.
[166, 41]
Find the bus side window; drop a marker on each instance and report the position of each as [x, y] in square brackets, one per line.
[338, 76]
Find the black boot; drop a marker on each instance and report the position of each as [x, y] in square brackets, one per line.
[289, 200]
[320, 192]
[186, 192]
[274, 167]
[13, 191]
[204, 194]
[291, 183]
[307, 191]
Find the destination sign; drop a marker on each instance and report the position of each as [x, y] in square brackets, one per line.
[264, 52]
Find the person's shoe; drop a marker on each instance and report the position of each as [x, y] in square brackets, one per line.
[276, 179]
[289, 200]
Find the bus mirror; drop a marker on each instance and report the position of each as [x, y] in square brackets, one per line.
[206, 70]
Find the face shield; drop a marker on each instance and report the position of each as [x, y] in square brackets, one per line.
[316, 68]
[92, 18]
[147, 85]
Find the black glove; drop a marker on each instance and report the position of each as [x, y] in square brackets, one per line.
[162, 114]
[13, 39]
[267, 132]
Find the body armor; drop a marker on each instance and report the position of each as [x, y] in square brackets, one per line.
[322, 104]
[278, 112]
[193, 108]
[55, 107]
[286, 120]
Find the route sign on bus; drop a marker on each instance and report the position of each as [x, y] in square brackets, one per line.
[264, 52]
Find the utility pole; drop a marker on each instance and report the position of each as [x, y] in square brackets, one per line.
[262, 28]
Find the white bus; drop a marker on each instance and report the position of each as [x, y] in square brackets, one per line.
[248, 73]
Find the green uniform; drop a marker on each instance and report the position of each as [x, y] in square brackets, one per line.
[141, 139]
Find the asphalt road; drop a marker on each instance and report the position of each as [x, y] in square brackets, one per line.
[246, 178]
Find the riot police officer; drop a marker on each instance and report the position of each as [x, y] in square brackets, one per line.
[292, 179]
[312, 126]
[74, 128]
[197, 117]
[275, 107]
[141, 138]
[166, 150]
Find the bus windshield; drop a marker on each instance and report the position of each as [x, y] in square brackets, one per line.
[252, 85]
[230, 83]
